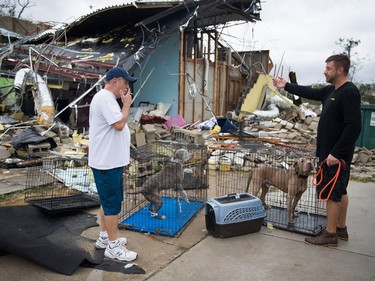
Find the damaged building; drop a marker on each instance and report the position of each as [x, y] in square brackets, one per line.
[186, 75]
[174, 42]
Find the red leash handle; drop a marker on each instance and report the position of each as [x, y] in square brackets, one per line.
[334, 179]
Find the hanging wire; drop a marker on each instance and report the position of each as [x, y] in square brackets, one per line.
[193, 91]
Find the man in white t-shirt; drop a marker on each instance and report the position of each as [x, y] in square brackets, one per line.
[109, 153]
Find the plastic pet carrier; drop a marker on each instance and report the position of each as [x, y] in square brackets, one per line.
[234, 214]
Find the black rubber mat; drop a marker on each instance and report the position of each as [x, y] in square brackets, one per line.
[53, 241]
[306, 223]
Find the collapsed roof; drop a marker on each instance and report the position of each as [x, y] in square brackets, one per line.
[123, 35]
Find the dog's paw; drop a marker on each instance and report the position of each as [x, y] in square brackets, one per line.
[156, 216]
[160, 217]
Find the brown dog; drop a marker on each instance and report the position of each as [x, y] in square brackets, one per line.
[292, 182]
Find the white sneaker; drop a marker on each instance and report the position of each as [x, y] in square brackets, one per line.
[120, 252]
[103, 243]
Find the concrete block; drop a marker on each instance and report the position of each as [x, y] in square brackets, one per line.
[313, 126]
[140, 139]
[308, 120]
[148, 128]
[283, 122]
[63, 132]
[66, 140]
[4, 152]
[289, 125]
[293, 135]
[278, 126]
[38, 148]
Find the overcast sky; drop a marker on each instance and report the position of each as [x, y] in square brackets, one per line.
[299, 34]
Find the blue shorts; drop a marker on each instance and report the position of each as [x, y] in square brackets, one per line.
[110, 191]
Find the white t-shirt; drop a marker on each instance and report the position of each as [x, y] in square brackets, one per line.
[108, 147]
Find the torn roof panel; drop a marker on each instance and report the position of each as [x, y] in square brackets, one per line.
[114, 17]
[5, 32]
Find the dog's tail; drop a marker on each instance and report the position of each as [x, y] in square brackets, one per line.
[248, 181]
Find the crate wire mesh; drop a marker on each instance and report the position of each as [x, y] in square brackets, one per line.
[145, 162]
[61, 184]
[233, 168]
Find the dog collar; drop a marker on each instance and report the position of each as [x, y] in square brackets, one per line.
[301, 176]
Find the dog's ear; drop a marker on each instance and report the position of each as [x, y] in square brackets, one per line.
[295, 166]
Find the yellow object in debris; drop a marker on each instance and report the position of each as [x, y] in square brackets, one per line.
[269, 225]
[77, 138]
[46, 115]
[255, 98]
[107, 57]
[224, 167]
[107, 41]
[215, 130]
[18, 115]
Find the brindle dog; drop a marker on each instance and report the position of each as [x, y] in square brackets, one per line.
[170, 176]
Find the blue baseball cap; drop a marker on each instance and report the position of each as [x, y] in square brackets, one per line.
[117, 72]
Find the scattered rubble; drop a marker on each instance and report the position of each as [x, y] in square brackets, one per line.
[25, 143]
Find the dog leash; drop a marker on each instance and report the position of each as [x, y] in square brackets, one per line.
[334, 179]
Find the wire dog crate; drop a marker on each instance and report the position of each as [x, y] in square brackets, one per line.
[175, 214]
[61, 184]
[252, 165]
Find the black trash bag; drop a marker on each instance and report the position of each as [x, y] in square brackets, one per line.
[31, 136]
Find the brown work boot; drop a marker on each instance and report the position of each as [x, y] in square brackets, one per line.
[342, 233]
[324, 239]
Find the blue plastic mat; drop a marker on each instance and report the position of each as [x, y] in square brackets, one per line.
[177, 217]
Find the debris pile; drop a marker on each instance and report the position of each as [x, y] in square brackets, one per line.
[25, 143]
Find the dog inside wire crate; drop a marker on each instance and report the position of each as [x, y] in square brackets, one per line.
[164, 187]
[280, 176]
[61, 184]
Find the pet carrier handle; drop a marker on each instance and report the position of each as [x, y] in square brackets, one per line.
[236, 195]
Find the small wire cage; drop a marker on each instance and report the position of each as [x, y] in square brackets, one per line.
[175, 214]
[254, 164]
[61, 184]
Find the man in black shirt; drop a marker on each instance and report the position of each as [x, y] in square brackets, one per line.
[338, 129]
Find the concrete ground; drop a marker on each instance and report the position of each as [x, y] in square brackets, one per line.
[270, 254]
